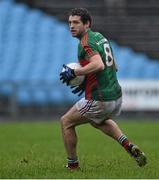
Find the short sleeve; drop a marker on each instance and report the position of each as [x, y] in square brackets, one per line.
[90, 48]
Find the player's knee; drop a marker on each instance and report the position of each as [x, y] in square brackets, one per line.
[64, 121]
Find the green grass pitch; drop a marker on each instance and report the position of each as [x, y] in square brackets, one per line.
[35, 150]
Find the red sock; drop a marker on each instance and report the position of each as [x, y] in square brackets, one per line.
[73, 165]
[123, 140]
[125, 144]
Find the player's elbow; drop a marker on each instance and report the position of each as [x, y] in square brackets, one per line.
[101, 66]
[97, 63]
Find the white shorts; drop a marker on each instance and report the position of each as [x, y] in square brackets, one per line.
[99, 111]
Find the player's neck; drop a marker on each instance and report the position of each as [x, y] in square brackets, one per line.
[83, 34]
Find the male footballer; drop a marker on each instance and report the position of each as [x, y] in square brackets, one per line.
[103, 94]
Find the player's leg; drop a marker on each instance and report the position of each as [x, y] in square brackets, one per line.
[110, 128]
[68, 123]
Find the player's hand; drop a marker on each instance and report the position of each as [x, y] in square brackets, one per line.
[79, 89]
[67, 75]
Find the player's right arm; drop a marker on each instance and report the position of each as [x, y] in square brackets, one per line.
[95, 64]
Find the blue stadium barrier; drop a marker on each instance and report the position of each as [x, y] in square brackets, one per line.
[134, 65]
[24, 96]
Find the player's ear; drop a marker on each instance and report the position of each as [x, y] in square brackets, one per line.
[87, 24]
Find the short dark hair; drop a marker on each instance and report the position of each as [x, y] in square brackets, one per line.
[83, 13]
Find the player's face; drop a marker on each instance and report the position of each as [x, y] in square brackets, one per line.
[77, 27]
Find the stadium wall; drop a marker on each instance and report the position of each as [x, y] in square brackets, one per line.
[140, 95]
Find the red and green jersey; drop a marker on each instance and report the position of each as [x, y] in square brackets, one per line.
[103, 85]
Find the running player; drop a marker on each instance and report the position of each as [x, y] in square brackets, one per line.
[103, 94]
